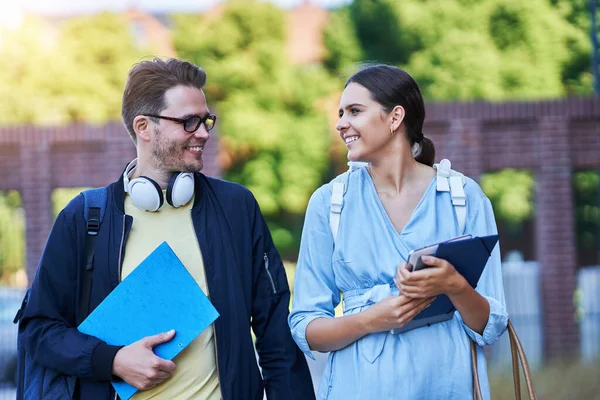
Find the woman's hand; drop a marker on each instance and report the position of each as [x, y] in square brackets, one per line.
[439, 278]
[394, 312]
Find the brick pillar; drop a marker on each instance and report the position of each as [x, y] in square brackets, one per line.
[464, 148]
[36, 190]
[555, 236]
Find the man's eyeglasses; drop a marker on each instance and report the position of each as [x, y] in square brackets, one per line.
[190, 124]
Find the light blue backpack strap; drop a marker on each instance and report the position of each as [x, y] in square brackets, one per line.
[452, 181]
[338, 189]
[335, 211]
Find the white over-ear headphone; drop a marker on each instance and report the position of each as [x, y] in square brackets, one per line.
[147, 195]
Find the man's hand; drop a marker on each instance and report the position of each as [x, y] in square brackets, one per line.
[137, 364]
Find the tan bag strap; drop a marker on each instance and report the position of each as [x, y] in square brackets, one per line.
[476, 386]
[517, 353]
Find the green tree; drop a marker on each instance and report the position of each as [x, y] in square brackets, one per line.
[511, 194]
[470, 70]
[586, 186]
[576, 73]
[471, 49]
[273, 138]
[12, 234]
[25, 55]
[534, 41]
[382, 30]
[515, 49]
[341, 41]
[69, 72]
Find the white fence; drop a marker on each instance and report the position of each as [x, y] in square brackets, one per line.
[523, 302]
[588, 311]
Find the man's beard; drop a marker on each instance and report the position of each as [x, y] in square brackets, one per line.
[169, 155]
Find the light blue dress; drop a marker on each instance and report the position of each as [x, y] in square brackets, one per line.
[425, 363]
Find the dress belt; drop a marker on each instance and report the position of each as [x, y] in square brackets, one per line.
[367, 297]
[370, 346]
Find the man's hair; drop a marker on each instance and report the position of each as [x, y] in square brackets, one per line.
[147, 83]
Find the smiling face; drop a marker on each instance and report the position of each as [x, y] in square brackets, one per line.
[173, 149]
[363, 126]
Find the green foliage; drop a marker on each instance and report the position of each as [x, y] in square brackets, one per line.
[469, 71]
[586, 187]
[69, 72]
[341, 41]
[382, 32]
[510, 192]
[576, 12]
[12, 234]
[576, 72]
[534, 41]
[272, 135]
[471, 49]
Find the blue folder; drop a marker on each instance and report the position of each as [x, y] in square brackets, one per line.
[469, 257]
[157, 296]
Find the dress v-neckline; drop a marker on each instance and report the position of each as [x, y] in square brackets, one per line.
[384, 213]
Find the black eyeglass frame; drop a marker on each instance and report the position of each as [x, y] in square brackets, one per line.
[185, 121]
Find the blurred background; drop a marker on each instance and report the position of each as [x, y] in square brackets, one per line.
[511, 88]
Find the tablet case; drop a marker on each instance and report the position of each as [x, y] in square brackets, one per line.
[469, 257]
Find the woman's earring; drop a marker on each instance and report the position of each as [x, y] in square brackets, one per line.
[393, 132]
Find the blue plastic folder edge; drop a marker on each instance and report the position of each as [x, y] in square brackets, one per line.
[157, 296]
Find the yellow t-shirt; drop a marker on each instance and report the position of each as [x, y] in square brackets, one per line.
[196, 376]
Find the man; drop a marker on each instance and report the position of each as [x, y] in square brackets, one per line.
[215, 228]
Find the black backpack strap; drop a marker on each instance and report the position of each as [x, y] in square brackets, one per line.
[94, 206]
[93, 226]
[21, 359]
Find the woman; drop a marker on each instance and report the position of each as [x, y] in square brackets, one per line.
[390, 208]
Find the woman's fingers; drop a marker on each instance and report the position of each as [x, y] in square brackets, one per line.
[420, 305]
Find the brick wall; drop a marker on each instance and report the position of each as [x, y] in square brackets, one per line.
[37, 160]
[553, 139]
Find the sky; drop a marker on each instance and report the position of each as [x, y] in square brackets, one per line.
[53, 7]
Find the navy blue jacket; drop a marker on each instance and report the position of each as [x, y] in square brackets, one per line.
[235, 244]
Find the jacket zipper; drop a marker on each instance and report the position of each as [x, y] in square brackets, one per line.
[121, 266]
[121, 248]
[269, 273]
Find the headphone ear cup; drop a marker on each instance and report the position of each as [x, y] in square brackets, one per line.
[146, 194]
[180, 189]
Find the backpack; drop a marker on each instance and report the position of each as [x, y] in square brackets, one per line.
[447, 181]
[36, 382]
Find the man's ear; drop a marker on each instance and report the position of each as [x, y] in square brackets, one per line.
[141, 127]
[397, 116]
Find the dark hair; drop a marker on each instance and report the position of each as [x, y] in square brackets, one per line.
[147, 83]
[390, 87]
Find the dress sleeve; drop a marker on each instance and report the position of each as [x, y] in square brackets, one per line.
[490, 286]
[315, 292]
